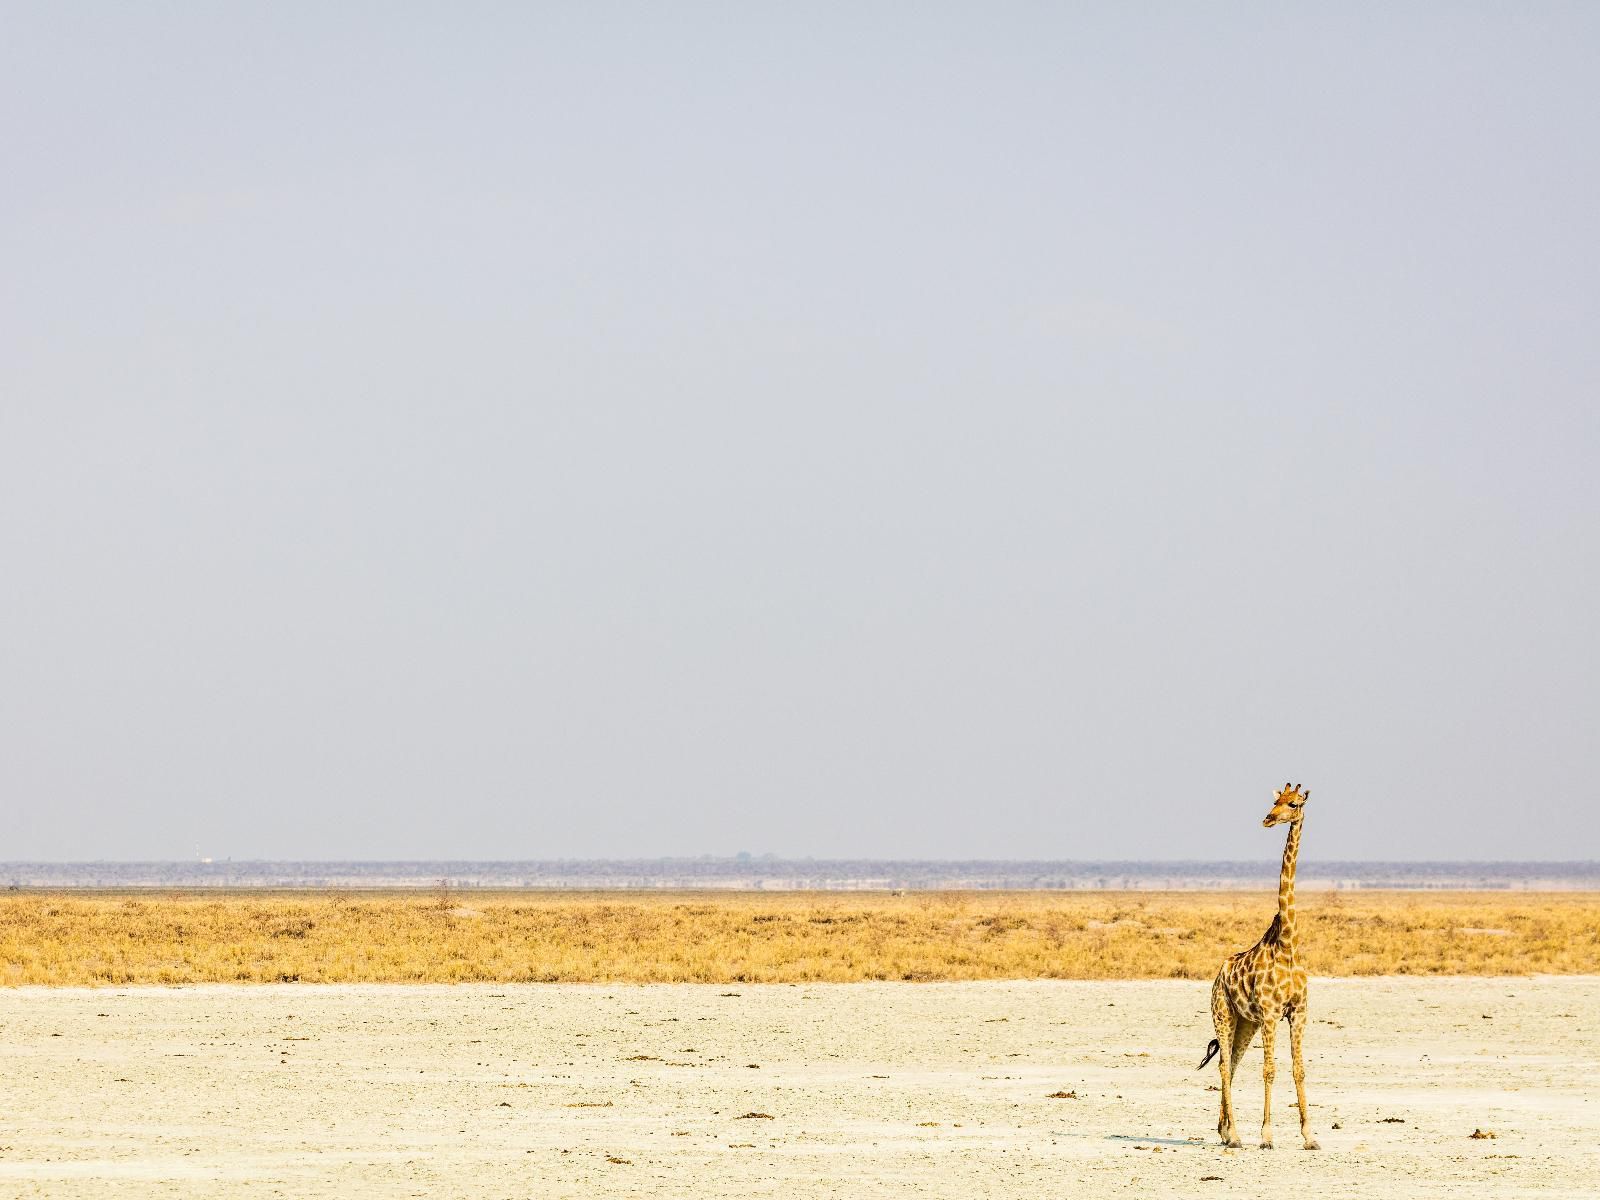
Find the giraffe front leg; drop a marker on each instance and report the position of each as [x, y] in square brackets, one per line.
[1269, 1038]
[1297, 1032]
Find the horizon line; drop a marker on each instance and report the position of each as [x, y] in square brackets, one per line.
[776, 859]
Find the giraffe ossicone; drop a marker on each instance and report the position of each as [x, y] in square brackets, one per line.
[1258, 987]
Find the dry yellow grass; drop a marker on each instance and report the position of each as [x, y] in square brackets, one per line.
[722, 937]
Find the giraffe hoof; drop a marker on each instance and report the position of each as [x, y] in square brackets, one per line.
[1266, 1145]
[1313, 1144]
[1234, 1144]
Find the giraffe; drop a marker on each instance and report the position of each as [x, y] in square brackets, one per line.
[1258, 987]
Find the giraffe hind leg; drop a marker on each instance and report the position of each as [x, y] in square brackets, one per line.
[1244, 1032]
[1297, 1032]
[1225, 1022]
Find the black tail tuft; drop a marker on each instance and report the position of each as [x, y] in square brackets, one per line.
[1211, 1052]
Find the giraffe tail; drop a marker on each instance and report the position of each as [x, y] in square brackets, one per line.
[1211, 1052]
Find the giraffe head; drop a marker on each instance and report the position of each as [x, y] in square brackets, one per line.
[1288, 804]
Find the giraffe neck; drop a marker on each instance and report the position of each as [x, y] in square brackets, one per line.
[1286, 926]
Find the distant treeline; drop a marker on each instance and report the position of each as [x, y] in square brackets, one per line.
[766, 872]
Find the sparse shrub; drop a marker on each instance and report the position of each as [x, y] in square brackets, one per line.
[110, 939]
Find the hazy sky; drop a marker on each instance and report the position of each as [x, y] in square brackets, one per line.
[1013, 430]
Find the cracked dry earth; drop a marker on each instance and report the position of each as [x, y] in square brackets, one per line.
[958, 1090]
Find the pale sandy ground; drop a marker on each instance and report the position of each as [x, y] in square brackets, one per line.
[873, 1089]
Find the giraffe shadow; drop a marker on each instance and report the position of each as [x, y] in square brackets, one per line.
[1132, 1140]
[1151, 1141]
